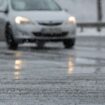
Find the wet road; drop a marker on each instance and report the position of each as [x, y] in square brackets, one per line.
[53, 75]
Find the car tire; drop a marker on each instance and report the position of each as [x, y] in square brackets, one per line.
[69, 43]
[11, 43]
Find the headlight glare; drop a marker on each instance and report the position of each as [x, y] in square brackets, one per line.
[22, 20]
[72, 20]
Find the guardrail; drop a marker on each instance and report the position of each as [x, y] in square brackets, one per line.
[97, 25]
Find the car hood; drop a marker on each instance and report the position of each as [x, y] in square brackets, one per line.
[44, 15]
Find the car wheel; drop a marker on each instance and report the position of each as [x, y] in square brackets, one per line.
[40, 44]
[11, 43]
[69, 43]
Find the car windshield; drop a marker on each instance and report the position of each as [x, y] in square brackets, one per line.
[22, 5]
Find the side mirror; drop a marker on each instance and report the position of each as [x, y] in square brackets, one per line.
[66, 10]
[5, 11]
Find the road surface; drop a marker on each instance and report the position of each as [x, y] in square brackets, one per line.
[53, 75]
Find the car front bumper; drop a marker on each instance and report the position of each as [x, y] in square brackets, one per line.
[31, 33]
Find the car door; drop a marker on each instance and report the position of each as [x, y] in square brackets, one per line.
[3, 4]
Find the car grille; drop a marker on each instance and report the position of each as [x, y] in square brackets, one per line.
[51, 24]
[38, 34]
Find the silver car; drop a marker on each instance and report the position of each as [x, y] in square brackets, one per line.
[37, 21]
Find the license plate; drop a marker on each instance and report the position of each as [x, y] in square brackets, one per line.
[51, 30]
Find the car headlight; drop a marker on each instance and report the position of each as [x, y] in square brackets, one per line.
[22, 20]
[72, 20]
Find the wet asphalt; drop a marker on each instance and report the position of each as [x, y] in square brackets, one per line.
[54, 75]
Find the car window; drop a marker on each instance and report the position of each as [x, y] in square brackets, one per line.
[20, 5]
[35, 5]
